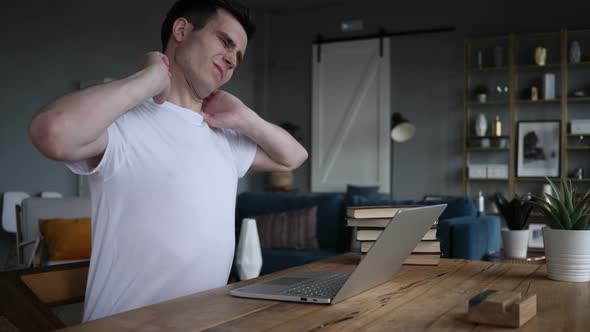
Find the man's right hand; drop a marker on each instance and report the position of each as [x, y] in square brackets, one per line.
[159, 65]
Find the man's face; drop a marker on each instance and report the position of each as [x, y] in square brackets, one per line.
[209, 56]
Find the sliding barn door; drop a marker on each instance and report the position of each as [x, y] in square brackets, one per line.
[350, 115]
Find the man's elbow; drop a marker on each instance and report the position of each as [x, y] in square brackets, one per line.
[301, 157]
[44, 134]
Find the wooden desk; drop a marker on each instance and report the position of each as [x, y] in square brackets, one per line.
[417, 298]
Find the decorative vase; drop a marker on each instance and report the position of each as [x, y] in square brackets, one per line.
[497, 127]
[481, 125]
[540, 56]
[282, 179]
[575, 52]
[516, 243]
[567, 253]
[534, 93]
[479, 59]
[248, 253]
[482, 97]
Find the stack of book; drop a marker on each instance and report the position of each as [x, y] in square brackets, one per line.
[368, 222]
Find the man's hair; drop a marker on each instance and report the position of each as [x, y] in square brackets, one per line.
[199, 12]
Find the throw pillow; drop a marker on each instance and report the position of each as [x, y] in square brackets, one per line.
[369, 192]
[67, 239]
[295, 229]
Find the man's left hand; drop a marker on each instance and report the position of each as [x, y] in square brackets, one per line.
[224, 110]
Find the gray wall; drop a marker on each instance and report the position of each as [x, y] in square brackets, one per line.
[427, 72]
[47, 48]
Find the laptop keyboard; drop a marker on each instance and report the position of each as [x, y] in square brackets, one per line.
[324, 287]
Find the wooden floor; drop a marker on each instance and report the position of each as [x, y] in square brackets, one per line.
[418, 298]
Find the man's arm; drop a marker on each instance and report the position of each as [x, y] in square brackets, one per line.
[277, 149]
[73, 127]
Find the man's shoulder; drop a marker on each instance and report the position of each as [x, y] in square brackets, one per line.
[137, 113]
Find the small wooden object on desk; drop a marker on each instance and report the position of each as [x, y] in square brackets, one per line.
[502, 308]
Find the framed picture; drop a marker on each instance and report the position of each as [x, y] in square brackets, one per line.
[536, 236]
[538, 151]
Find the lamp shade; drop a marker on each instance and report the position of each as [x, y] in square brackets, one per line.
[401, 129]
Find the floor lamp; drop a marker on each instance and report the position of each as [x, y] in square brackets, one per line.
[402, 130]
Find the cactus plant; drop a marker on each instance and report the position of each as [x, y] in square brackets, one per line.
[516, 211]
[565, 208]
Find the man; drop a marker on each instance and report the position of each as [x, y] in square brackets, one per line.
[163, 149]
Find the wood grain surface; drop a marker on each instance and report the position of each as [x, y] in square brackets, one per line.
[417, 298]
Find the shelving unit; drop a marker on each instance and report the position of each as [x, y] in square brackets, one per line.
[517, 71]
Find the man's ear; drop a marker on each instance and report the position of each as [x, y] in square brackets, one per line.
[181, 29]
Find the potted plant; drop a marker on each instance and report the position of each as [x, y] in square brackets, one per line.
[285, 180]
[516, 214]
[481, 93]
[567, 239]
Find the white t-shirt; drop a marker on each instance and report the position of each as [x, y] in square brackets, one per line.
[163, 208]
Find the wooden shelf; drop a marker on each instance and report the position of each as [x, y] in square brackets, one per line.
[536, 179]
[488, 70]
[578, 99]
[489, 103]
[488, 180]
[537, 67]
[539, 35]
[487, 149]
[578, 148]
[514, 106]
[585, 64]
[542, 101]
[491, 137]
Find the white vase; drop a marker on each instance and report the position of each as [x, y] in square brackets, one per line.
[248, 254]
[575, 52]
[540, 56]
[481, 125]
[567, 254]
[516, 243]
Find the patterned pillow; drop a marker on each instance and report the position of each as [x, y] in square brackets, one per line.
[295, 229]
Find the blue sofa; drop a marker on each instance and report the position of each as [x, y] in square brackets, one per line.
[462, 231]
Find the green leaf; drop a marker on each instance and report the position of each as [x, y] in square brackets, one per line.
[582, 224]
[549, 211]
[581, 208]
[555, 191]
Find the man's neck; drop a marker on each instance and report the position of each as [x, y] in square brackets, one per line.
[185, 99]
[182, 94]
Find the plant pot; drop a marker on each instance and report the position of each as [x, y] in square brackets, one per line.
[282, 179]
[516, 243]
[567, 254]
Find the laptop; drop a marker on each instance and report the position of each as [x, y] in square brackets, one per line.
[383, 260]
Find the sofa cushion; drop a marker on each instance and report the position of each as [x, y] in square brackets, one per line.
[456, 206]
[469, 237]
[370, 192]
[279, 259]
[295, 229]
[331, 229]
[67, 238]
